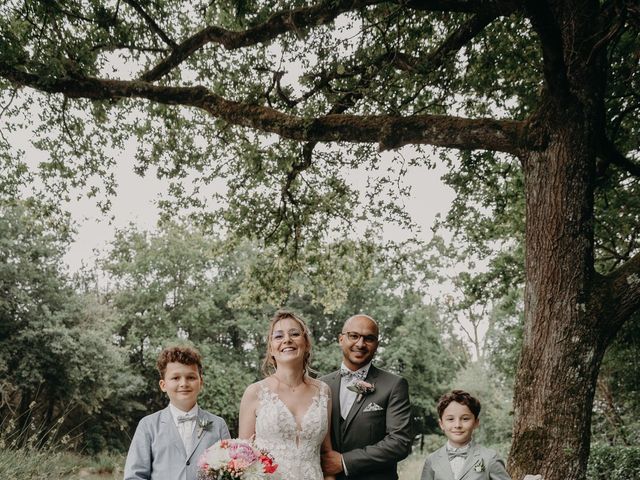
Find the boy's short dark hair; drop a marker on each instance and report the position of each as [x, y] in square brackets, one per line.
[179, 354]
[461, 397]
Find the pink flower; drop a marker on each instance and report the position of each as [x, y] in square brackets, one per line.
[243, 453]
[235, 459]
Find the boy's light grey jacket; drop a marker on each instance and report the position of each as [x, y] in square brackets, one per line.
[157, 451]
[481, 464]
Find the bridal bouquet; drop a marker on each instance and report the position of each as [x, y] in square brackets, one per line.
[235, 460]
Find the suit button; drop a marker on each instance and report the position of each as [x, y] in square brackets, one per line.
[188, 462]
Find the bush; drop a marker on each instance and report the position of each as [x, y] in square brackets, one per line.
[608, 462]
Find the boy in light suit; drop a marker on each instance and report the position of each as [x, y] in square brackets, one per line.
[167, 444]
[461, 458]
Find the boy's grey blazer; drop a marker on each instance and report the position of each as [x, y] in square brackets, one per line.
[481, 464]
[157, 451]
[376, 434]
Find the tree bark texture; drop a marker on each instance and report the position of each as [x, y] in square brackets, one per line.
[562, 350]
[566, 329]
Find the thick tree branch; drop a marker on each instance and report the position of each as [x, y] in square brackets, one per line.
[152, 24]
[388, 131]
[452, 44]
[323, 13]
[459, 38]
[499, 7]
[279, 23]
[611, 155]
[408, 63]
[545, 24]
[423, 65]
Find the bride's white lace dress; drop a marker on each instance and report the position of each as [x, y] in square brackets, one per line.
[295, 448]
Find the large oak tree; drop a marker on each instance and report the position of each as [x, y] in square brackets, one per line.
[551, 83]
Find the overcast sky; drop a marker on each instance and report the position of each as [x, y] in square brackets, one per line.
[136, 197]
[135, 202]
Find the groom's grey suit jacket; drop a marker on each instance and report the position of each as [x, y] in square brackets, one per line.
[481, 464]
[376, 434]
[157, 451]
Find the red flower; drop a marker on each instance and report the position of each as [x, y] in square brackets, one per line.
[267, 464]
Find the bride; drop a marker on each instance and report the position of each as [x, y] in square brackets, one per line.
[288, 412]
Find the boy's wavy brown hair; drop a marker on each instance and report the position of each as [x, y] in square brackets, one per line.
[178, 354]
[463, 398]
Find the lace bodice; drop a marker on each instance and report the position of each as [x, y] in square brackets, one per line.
[296, 450]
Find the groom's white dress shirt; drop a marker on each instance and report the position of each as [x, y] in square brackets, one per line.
[347, 397]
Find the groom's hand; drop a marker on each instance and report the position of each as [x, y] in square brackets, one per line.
[331, 462]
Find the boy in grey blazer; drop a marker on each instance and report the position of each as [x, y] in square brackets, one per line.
[168, 443]
[461, 458]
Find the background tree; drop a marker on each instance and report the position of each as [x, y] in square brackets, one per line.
[178, 285]
[552, 83]
[58, 364]
[215, 306]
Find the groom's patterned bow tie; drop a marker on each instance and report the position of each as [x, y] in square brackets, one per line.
[458, 452]
[186, 418]
[349, 375]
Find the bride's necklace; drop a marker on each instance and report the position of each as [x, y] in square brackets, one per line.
[292, 388]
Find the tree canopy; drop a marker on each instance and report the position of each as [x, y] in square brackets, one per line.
[541, 96]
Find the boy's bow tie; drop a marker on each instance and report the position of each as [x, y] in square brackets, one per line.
[462, 453]
[186, 418]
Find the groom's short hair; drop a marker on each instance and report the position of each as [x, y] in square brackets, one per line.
[178, 354]
[461, 397]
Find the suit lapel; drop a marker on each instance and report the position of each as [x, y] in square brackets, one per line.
[372, 375]
[441, 463]
[473, 457]
[195, 438]
[170, 431]
[334, 384]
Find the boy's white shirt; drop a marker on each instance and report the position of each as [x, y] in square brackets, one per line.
[176, 412]
[457, 463]
[185, 429]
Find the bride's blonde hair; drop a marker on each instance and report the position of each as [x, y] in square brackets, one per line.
[269, 362]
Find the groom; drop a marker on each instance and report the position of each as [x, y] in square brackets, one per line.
[371, 428]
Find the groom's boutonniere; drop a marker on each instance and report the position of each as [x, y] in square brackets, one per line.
[203, 424]
[479, 466]
[362, 388]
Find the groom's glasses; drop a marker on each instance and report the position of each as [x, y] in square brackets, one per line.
[355, 336]
[278, 335]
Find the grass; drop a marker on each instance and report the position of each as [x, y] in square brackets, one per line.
[411, 467]
[26, 464]
[32, 450]
[42, 465]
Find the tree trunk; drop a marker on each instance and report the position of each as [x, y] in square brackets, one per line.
[562, 343]
[567, 327]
